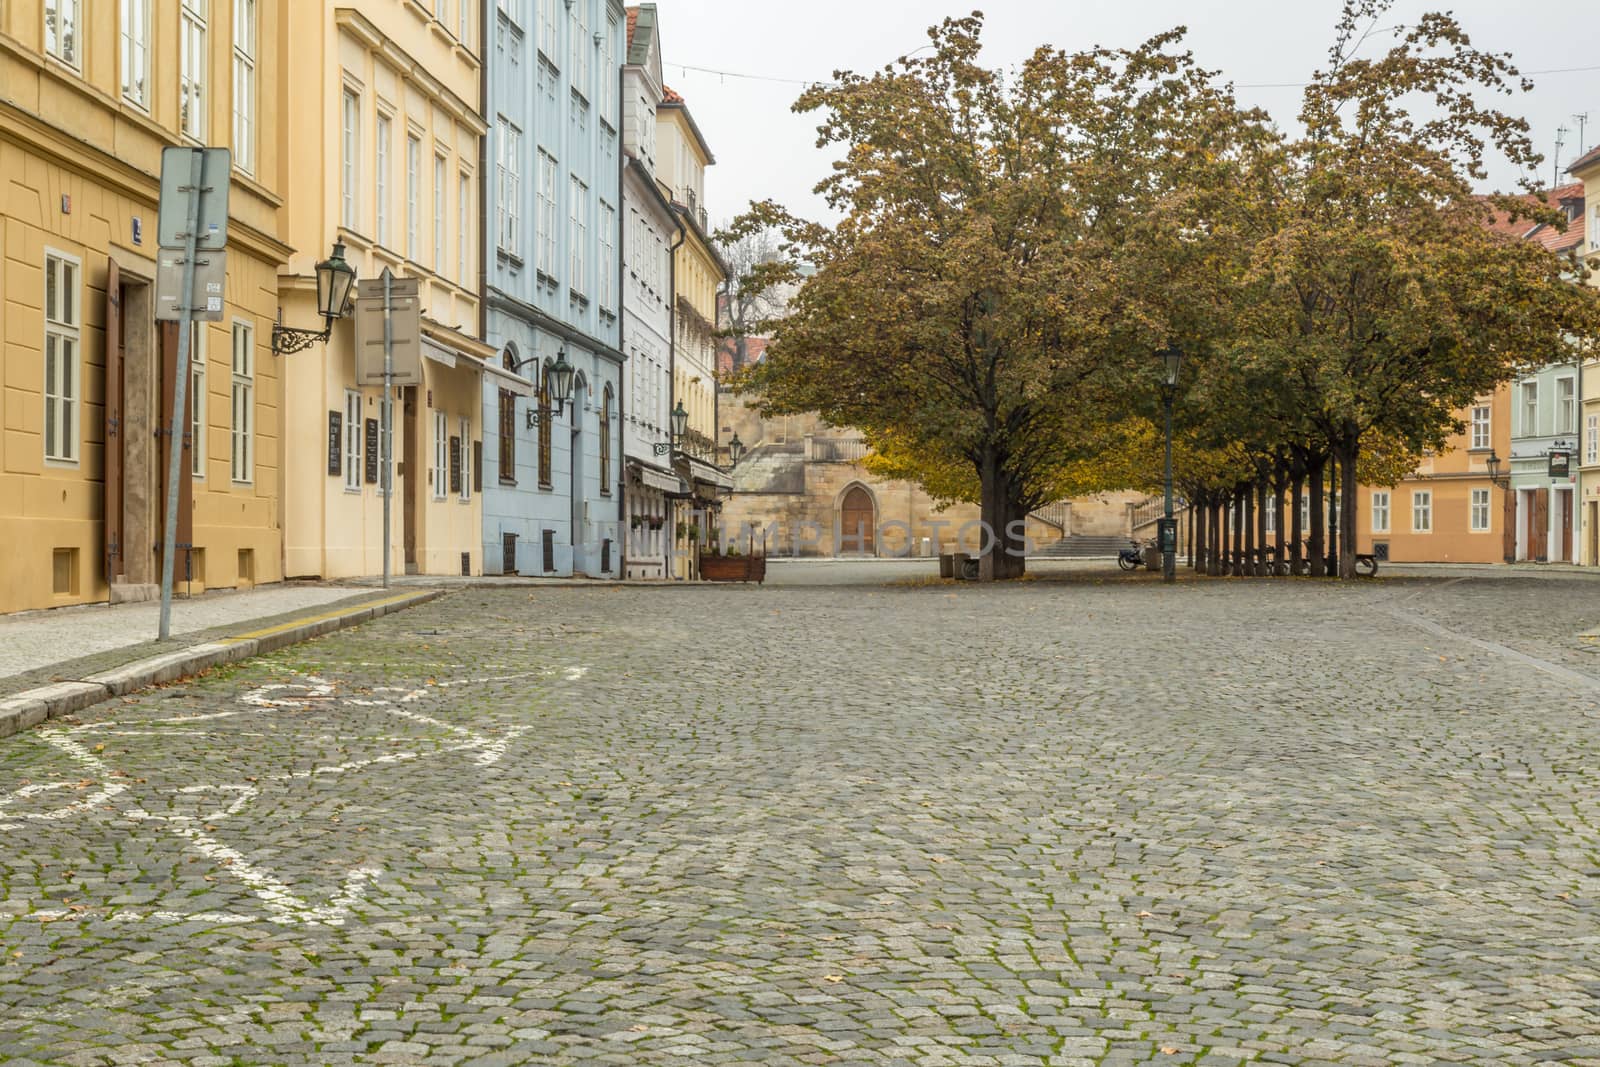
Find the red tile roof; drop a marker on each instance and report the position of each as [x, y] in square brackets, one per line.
[669, 95]
[1583, 162]
[633, 20]
[1522, 227]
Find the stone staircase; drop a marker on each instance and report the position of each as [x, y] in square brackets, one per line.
[1085, 546]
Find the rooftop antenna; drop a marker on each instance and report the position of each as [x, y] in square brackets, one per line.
[1561, 139]
[1582, 121]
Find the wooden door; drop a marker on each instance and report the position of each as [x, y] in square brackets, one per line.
[1508, 527]
[184, 441]
[414, 481]
[857, 519]
[111, 450]
[1539, 526]
[1564, 513]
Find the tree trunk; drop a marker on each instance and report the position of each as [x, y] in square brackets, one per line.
[1279, 474]
[1319, 559]
[1297, 496]
[1236, 516]
[1347, 507]
[1263, 566]
[1247, 520]
[1002, 549]
[1333, 517]
[1190, 544]
[1214, 557]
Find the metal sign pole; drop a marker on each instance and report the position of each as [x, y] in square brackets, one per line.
[388, 415]
[180, 390]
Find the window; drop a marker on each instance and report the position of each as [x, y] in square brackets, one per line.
[352, 441]
[545, 477]
[1530, 409]
[244, 402]
[547, 213]
[63, 320]
[1270, 517]
[1422, 511]
[463, 228]
[350, 158]
[608, 256]
[441, 212]
[464, 22]
[605, 441]
[1591, 440]
[413, 191]
[441, 453]
[192, 70]
[1480, 511]
[385, 152]
[458, 459]
[1566, 406]
[244, 85]
[136, 52]
[1480, 427]
[578, 234]
[608, 75]
[581, 45]
[61, 30]
[197, 399]
[440, 7]
[547, 29]
[508, 424]
[1380, 511]
[508, 189]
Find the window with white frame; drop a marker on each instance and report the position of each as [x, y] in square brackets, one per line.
[1566, 405]
[1530, 409]
[547, 213]
[244, 85]
[464, 22]
[508, 189]
[63, 323]
[441, 213]
[578, 235]
[1591, 440]
[1480, 427]
[441, 454]
[581, 45]
[244, 403]
[197, 399]
[1480, 511]
[547, 29]
[192, 60]
[384, 160]
[136, 52]
[352, 441]
[608, 256]
[61, 30]
[462, 460]
[1269, 516]
[1380, 511]
[1422, 511]
[463, 227]
[349, 158]
[413, 192]
[441, 8]
[608, 74]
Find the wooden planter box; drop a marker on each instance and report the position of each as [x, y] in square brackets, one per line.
[733, 568]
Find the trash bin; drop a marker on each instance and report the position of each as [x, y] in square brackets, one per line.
[1152, 558]
[947, 565]
[959, 565]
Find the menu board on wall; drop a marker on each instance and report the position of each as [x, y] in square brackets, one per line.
[335, 421]
[372, 452]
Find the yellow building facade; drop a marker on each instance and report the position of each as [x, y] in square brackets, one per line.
[90, 93]
[698, 272]
[385, 160]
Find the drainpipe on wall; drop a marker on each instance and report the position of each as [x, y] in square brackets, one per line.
[672, 375]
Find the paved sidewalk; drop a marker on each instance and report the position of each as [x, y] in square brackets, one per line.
[39, 647]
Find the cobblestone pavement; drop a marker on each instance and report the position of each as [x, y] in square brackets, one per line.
[1054, 823]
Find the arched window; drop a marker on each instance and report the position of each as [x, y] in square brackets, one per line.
[508, 423]
[605, 441]
[546, 479]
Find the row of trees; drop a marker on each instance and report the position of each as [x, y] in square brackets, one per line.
[1014, 247]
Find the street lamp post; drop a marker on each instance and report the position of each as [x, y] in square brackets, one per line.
[1172, 360]
[336, 286]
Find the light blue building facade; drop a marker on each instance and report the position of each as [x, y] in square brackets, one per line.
[552, 484]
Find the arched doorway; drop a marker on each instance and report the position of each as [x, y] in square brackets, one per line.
[858, 523]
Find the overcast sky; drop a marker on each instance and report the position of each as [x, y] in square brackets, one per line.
[764, 150]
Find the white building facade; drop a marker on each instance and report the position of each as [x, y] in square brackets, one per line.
[650, 233]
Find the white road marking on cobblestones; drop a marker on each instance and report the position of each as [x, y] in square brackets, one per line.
[1566, 674]
[313, 689]
[279, 899]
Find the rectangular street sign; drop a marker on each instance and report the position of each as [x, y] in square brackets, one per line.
[211, 234]
[210, 280]
[406, 331]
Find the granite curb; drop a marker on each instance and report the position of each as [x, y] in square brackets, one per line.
[20, 711]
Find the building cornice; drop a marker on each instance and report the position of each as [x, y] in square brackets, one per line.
[408, 67]
[503, 301]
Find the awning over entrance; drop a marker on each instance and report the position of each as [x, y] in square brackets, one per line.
[705, 474]
[441, 355]
[652, 478]
[511, 383]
